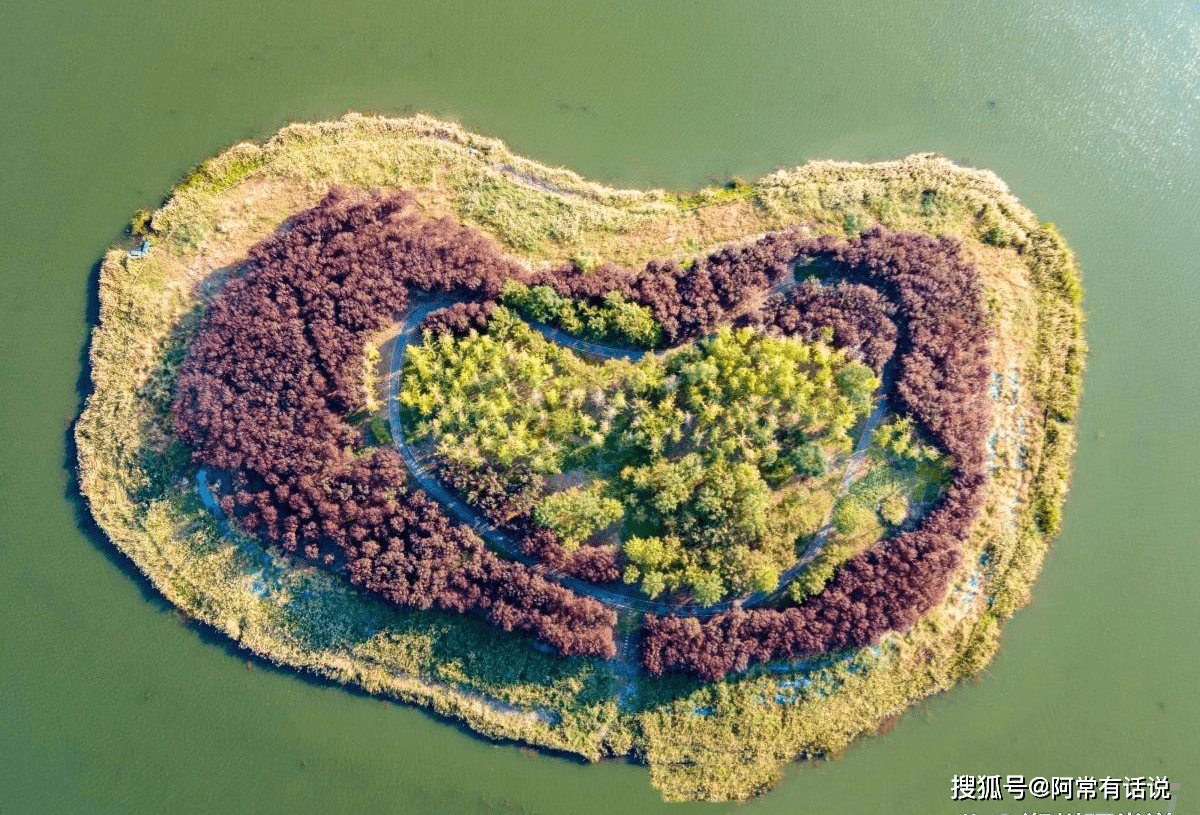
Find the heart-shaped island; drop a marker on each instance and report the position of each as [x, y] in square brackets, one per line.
[718, 480]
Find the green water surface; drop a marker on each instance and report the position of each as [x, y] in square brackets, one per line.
[1090, 111]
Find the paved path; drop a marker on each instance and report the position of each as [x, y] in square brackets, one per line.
[506, 543]
[592, 349]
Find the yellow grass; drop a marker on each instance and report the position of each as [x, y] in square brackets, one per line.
[726, 740]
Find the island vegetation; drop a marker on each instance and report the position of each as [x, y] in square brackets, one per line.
[675, 456]
[739, 477]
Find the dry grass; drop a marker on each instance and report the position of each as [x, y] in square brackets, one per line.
[727, 740]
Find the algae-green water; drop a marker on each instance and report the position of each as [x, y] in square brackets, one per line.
[1091, 113]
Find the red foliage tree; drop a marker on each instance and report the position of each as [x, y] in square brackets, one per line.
[943, 347]
[275, 368]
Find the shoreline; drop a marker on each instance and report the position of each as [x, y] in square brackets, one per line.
[140, 491]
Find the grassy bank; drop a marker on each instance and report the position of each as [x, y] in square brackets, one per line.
[719, 741]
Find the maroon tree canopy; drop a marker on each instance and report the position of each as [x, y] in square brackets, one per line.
[276, 367]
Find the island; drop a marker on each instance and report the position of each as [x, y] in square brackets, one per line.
[716, 481]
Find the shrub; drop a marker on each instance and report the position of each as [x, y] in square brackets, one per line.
[381, 432]
[807, 460]
[610, 318]
[849, 517]
[575, 514]
[894, 510]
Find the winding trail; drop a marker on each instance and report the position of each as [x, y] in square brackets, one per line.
[417, 468]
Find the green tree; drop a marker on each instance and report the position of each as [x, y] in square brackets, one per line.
[807, 460]
[577, 513]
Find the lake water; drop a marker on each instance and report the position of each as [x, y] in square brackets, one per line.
[1090, 111]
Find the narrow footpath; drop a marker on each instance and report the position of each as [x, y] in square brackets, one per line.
[416, 466]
